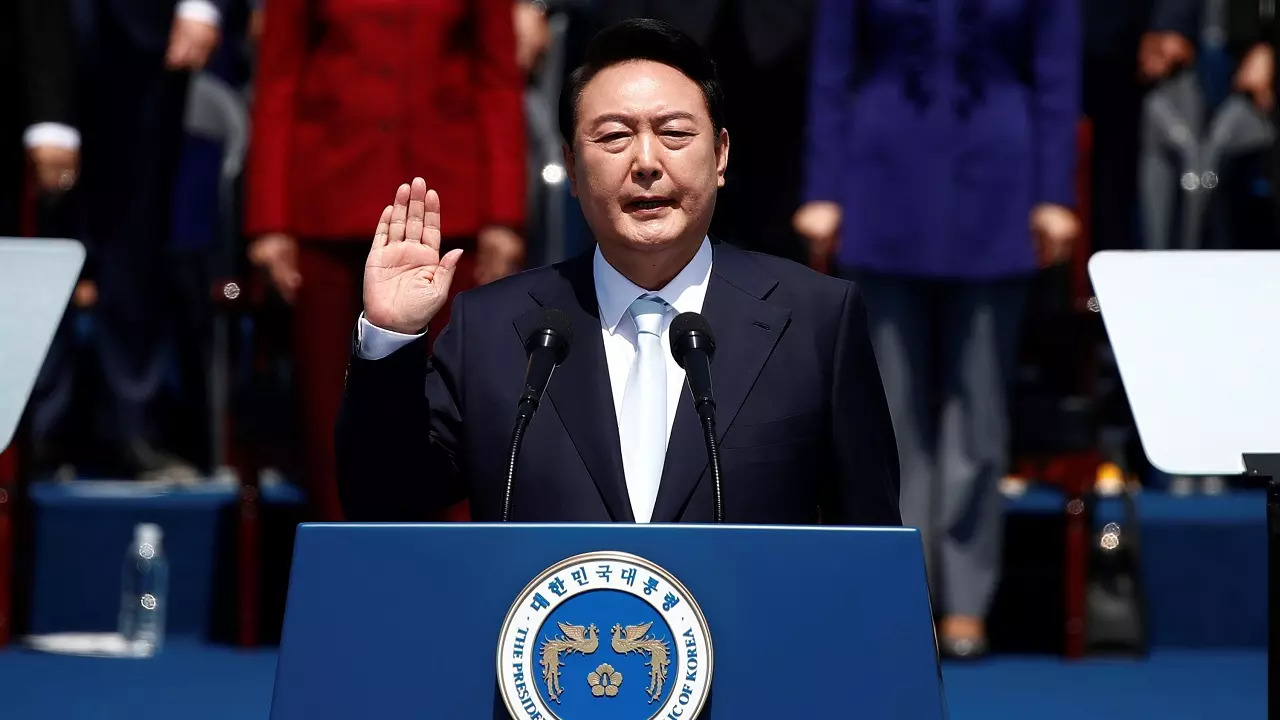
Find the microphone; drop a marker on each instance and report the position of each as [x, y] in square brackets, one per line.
[547, 346]
[693, 346]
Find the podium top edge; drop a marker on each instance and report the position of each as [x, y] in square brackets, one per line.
[625, 527]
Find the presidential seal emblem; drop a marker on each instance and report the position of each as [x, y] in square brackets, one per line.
[604, 635]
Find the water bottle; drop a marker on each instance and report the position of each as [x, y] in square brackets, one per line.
[144, 592]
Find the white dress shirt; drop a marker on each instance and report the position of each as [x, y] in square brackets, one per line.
[51, 134]
[200, 11]
[57, 134]
[614, 294]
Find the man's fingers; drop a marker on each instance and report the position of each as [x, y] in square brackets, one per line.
[450, 259]
[431, 220]
[443, 277]
[417, 207]
[384, 226]
[399, 211]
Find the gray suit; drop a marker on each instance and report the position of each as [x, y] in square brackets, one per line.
[1184, 141]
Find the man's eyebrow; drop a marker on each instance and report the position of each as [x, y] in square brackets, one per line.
[628, 119]
[675, 115]
[611, 117]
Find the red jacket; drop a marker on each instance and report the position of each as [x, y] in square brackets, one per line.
[354, 97]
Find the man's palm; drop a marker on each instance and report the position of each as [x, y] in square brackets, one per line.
[406, 281]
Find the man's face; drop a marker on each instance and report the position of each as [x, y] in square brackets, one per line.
[647, 164]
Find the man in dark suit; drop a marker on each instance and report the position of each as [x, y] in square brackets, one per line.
[38, 131]
[36, 92]
[135, 61]
[805, 433]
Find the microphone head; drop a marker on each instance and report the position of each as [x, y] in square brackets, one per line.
[552, 329]
[691, 331]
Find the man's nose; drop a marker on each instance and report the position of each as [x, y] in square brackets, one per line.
[647, 164]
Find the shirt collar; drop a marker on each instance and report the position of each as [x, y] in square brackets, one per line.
[685, 292]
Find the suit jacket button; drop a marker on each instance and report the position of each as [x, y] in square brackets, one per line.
[384, 126]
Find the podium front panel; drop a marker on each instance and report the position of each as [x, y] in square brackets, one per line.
[404, 621]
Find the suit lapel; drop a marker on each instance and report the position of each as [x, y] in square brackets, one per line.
[746, 328]
[579, 390]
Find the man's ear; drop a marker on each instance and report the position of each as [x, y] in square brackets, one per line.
[722, 156]
[566, 151]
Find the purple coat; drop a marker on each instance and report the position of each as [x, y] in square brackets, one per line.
[938, 124]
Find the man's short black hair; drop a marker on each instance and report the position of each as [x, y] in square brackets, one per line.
[642, 39]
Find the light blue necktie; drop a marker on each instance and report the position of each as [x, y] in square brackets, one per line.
[644, 408]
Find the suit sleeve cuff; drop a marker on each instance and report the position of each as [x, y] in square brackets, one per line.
[200, 11]
[375, 343]
[49, 133]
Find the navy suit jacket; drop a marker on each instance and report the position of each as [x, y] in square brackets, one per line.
[804, 427]
[147, 22]
[36, 65]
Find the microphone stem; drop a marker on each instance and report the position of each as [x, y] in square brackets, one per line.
[713, 458]
[517, 437]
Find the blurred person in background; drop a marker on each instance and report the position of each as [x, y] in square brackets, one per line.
[1176, 65]
[38, 137]
[1112, 97]
[1252, 36]
[134, 59]
[203, 244]
[331, 124]
[541, 28]
[1212, 71]
[1169, 43]
[1112, 100]
[761, 50]
[532, 34]
[36, 81]
[939, 174]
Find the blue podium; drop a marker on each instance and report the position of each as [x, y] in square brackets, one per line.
[569, 621]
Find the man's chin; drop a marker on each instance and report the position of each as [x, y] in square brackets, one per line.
[652, 243]
[654, 234]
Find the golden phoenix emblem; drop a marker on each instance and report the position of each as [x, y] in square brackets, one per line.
[632, 639]
[575, 639]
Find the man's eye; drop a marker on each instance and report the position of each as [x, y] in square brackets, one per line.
[611, 137]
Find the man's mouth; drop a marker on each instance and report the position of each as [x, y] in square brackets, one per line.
[649, 203]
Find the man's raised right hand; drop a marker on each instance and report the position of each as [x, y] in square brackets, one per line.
[406, 282]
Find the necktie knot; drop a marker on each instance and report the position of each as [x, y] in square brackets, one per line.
[647, 312]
